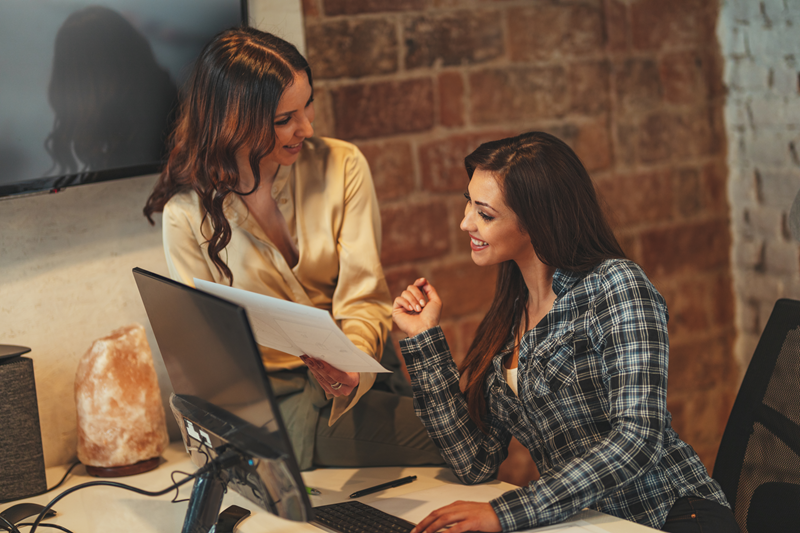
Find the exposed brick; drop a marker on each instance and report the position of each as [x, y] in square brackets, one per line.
[310, 9]
[617, 27]
[715, 187]
[683, 76]
[688, 196]
[518, 93]
[400, 277]
[392, 167]
[693, 133]
[656, 24]
[627, 141]
[589, 87]
[450, 330]
[414, 231]
[593, 145]
[688, 302]
[722, 301]
[548, 31]
[690, 247]
[695, 418]
[629, 245]
[637, 83]
[352, 7]
[464, 287]
[384, 108]
[467, 328]
[655, 136]
[454, 38]
[451, 99]
[665, 135]
[323, 112]
[351, 48]
[442, 161]
[637, 198]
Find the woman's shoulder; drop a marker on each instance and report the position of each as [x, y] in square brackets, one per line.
[186, 200]
[623, 276]
[327, 147]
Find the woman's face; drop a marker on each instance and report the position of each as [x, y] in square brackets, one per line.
[494, 230]
[293, 120]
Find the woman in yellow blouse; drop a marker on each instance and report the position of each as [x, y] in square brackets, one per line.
[252, 200]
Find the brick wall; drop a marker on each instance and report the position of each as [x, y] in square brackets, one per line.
[634, 86]
[762, 73]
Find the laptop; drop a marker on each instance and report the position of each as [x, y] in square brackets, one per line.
[223, 400]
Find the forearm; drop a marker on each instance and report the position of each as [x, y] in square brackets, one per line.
[442, 408]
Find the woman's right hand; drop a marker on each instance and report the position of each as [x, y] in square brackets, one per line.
[417, 309]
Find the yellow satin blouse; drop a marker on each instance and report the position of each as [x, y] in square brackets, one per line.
[328, 201]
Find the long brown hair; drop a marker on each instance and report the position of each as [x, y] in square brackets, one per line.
[548, 189]
[230, 103]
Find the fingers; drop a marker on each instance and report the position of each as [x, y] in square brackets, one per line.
[413, 299]
[333, 381]
[461, 516]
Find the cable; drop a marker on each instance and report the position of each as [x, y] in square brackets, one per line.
[55, 526]
[8, 525]
[222, 461]
[177, 490]
[76, 463]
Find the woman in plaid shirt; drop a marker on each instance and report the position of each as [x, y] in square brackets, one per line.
[571, 359]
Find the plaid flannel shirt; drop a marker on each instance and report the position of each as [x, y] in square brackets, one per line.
[592, 407]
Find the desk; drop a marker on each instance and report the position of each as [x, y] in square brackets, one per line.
[112, 510]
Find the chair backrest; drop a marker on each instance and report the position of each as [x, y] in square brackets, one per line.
[758, 463]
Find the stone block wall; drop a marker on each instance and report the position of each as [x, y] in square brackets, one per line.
[634, 86]
[762, 74]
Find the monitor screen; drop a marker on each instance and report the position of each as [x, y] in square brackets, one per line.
[89, 87]
[222, 400]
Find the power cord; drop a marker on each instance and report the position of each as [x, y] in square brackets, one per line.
[224, 460]
[54, 487]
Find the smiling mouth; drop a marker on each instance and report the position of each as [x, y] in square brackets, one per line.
[476, 242]
[293, 146]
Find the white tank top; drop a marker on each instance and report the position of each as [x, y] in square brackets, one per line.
[510, 375]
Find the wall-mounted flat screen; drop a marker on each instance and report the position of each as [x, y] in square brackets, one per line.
[89, 88]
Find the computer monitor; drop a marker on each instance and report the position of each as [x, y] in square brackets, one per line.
[222, 402]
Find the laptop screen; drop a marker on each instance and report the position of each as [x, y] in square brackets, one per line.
[220, 386]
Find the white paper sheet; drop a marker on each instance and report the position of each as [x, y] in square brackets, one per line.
[415, 506]
[295, 329]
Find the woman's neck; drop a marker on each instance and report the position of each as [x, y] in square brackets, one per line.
[267, 171]
[539, 281]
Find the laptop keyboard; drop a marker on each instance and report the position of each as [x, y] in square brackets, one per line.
[357, 517]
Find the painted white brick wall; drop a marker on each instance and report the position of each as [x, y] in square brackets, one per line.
[760, 44]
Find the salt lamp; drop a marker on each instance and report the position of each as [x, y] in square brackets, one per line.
[121, 424]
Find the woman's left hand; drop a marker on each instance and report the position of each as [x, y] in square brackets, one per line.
[334, 382]
[463, 516]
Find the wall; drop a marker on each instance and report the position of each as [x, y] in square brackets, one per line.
[634, 86]
[66, 263]
[762, 113]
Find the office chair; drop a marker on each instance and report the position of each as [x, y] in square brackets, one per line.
[758, 462]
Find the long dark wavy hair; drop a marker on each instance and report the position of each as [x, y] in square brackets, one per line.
[548, 189]
[229, 103]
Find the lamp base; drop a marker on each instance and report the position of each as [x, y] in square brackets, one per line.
[125, 470]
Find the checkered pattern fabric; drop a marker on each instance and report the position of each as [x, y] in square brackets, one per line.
[592, 406]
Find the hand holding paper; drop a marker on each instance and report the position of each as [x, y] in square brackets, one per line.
[296, 329]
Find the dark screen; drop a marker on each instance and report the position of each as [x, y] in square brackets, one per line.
[89, 88]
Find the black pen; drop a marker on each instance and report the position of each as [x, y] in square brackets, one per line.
[383, 486]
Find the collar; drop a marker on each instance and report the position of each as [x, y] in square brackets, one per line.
[564, 280]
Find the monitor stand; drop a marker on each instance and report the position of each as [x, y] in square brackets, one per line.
[205, 502]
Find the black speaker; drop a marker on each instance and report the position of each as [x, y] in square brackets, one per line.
[21, 458]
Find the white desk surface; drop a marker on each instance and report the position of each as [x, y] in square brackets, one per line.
[111, 510]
